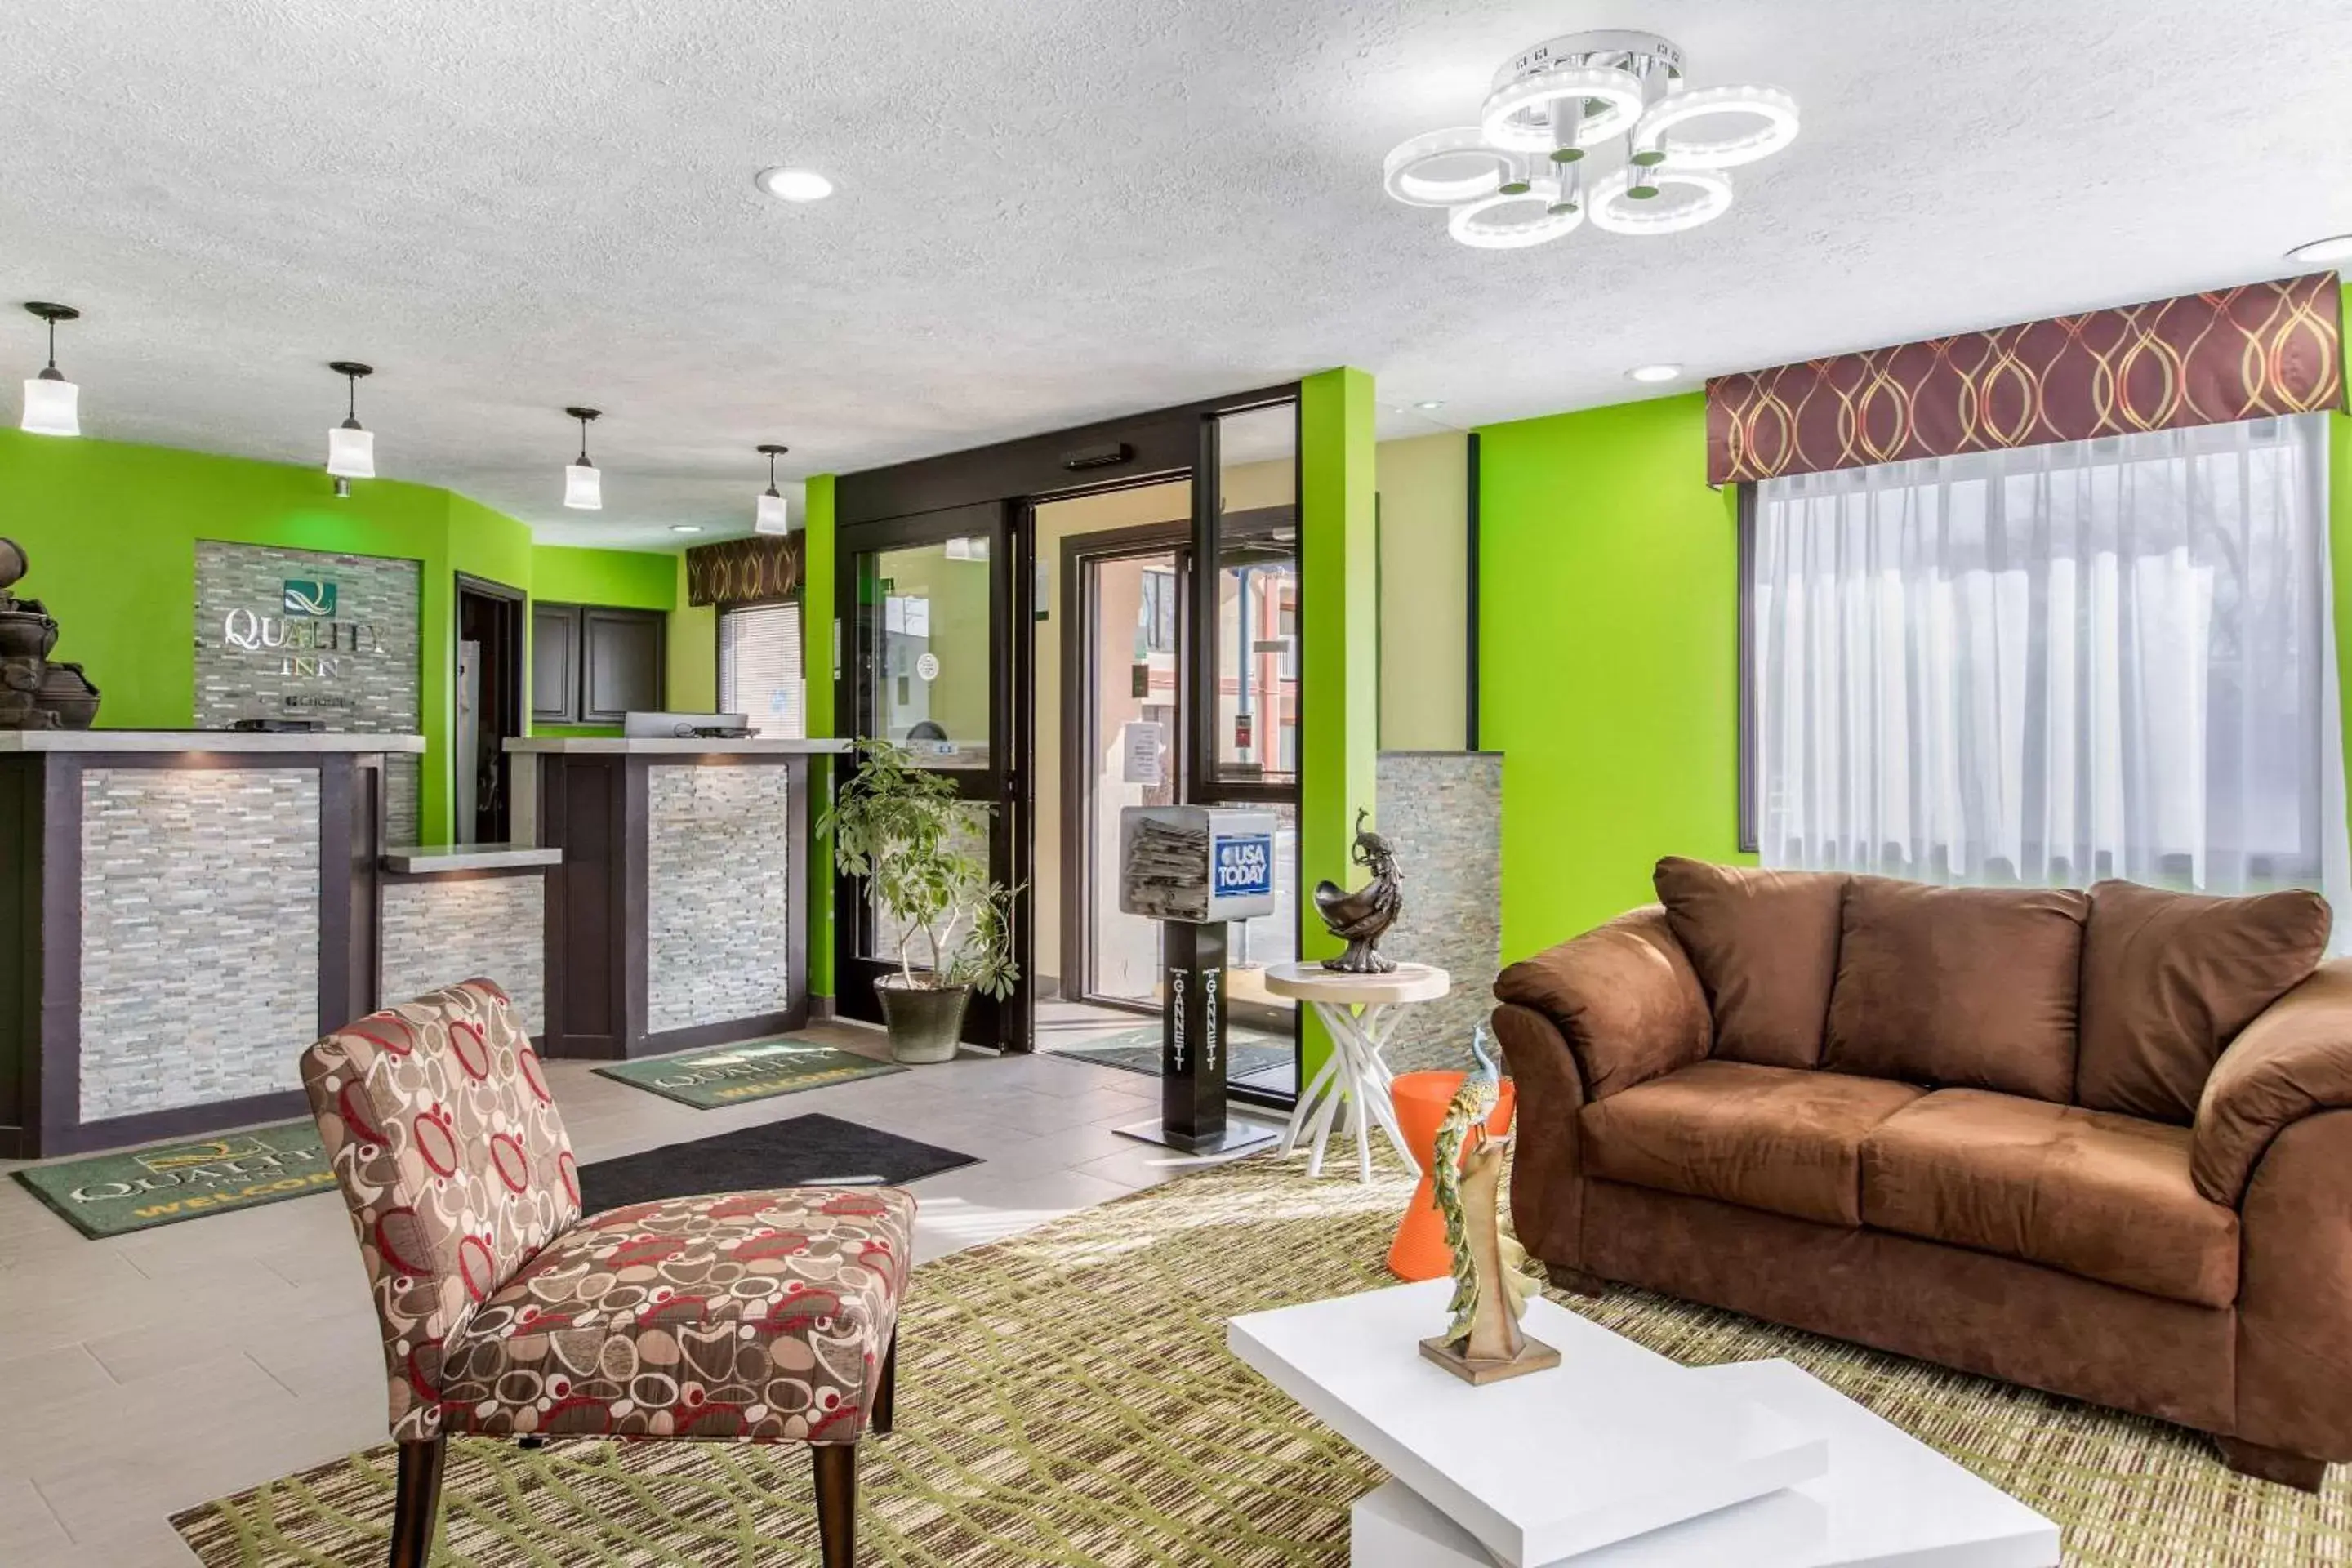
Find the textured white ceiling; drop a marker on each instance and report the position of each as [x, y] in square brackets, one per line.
[1049, 211]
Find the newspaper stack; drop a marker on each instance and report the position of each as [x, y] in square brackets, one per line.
[1168, 871]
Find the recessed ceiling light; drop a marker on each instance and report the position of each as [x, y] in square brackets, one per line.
[1651, 373]
[686, 528]
[1433, 403]
[2335, 247]
[796, 185]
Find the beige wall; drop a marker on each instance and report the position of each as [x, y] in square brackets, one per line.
[1424, 574]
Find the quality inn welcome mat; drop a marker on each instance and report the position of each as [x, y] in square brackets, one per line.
[754, 1069]
[138, 1189]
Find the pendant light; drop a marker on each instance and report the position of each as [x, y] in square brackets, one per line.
[52, 404]
[583, 487]
[775, 514]
[351, 449]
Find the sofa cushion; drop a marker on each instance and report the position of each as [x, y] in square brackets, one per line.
[1765, 945]
[1780, 1139]
[2105, 1196]
[1971, 987]
[2168, 979]
[1623, 996]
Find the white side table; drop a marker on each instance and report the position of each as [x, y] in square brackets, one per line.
[1360, 1011]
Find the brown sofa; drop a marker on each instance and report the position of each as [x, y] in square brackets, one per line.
[2098, 1143]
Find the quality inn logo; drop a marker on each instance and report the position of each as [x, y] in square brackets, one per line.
[189, 1156]
[310, 598]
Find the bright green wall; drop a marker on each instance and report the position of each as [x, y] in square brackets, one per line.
[818, 676]
[1340, 610]
[1608, 657]
[626, 579]
[111, 531]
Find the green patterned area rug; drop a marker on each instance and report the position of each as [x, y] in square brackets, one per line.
[754, 1069]
[1065, 1398]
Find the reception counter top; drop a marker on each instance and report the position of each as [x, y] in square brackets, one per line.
[446, 859]
[621, 746]
[199, 742]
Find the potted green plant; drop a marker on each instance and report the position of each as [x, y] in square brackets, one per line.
[901, 828]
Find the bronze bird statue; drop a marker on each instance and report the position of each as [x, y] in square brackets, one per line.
[1359, 918]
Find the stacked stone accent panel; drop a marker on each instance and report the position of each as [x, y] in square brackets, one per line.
[199, 935]
[719, 911]
[1443, 813]
[266, 652]
[438, 931]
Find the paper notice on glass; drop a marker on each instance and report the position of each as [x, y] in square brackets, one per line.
[1140, 742]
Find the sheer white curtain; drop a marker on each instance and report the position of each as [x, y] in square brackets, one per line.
[2051, 665]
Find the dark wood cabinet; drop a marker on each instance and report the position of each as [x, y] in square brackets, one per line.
[623, 664]
[555, 664]
[589, 664]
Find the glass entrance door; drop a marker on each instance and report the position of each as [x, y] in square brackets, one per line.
[1129, 728]
[931, 667]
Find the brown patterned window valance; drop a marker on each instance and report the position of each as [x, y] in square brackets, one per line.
[745, 571]
[2251, 352]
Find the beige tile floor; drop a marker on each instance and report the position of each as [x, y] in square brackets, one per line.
[144, 1375]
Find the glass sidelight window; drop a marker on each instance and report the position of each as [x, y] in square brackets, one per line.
[1254, 655]
[926, 618]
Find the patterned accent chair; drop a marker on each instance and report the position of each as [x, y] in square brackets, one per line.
[745, 1317]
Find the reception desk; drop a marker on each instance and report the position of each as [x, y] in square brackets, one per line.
[181, 913]
[678, 915]
[450, 913]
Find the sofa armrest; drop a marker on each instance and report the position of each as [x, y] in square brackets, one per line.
[1623, 996]
[2293, 1061]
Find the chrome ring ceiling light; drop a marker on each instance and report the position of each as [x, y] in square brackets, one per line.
[1618, 100]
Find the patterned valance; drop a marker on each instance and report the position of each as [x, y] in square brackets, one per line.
[744, 571]
[2252, 353]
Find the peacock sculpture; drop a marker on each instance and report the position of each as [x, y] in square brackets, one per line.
[1492, 1280]
[1359, 918]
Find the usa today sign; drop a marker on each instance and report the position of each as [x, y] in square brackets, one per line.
[1198, 863]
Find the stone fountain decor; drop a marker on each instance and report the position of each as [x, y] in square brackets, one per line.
[35, 693]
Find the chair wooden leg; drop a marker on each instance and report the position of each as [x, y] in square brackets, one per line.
[836, 1502]
[2266, 1464]
[417, 1502]
[886, 1392]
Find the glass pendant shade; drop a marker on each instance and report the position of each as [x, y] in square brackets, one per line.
[775, 515]
[52, 406]
[351, 453]
[583, 487]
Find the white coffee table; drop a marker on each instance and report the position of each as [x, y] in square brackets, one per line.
[1619, 1458]
[1359, 1011]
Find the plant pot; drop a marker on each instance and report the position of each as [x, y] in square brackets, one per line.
[923, 1022]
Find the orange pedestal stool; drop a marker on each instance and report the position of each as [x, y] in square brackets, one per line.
[1421, 1099]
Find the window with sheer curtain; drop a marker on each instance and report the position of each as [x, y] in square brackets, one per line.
[759, 668]
[2053, 664]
